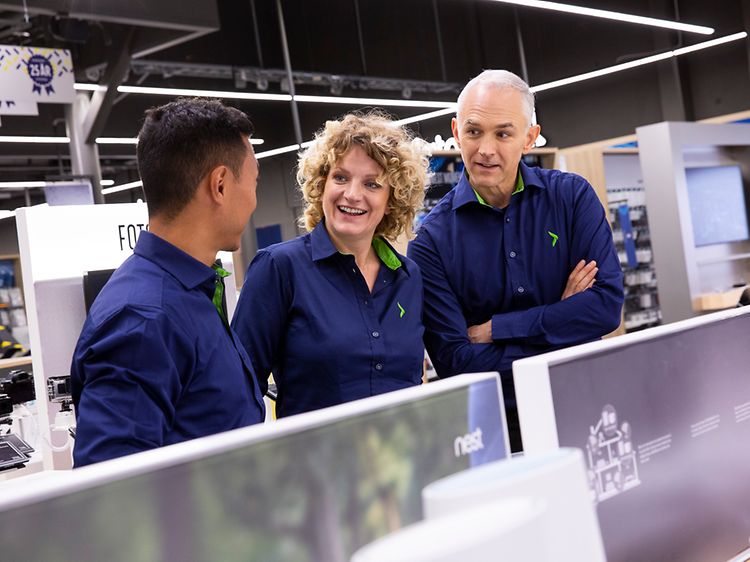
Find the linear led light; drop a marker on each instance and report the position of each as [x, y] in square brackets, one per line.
[36, 140]
[639, 62]
[21, 184]
[425, 116]
[372, 101]
[617, 16]
[123, 187]
[117, 140]
[175, 92]
[99, 140]
[282, 150]
[105, 183]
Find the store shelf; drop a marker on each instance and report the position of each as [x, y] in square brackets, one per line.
[641, 307]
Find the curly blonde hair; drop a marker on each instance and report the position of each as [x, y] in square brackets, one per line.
[399, 155]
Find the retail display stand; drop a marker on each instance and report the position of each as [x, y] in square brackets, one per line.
[58, 245]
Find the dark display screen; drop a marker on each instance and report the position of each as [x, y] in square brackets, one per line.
[665, 429]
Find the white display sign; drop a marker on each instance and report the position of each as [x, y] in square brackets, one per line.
[36, 74]
[11, 107]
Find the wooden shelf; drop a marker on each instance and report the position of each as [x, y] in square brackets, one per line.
[718, 301]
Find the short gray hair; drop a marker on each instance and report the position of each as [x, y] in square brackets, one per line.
[501, 79]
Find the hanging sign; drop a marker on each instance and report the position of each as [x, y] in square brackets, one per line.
[36, 74]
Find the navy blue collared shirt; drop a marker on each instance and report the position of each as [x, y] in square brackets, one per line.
[155, 364]
[306, 314]
[511, 266]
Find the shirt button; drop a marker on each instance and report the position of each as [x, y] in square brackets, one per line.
[376, 334]
[366, 301]
[507, 219]
[512, 254]
[378, 366]
[521, 289]
[354, 271]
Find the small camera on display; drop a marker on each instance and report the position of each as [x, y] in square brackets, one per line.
[19, 387]
[58, 389]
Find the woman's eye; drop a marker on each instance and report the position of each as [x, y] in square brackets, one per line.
[373, 185]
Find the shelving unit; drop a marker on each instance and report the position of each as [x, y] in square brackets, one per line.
[12, 309]
[641, 309]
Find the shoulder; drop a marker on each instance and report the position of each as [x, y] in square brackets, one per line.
[136, 285]
[285, 254]
[561, 183]
[411, 268]
[440, 212]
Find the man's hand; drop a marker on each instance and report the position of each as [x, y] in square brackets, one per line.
[481, 333]
[581, 278]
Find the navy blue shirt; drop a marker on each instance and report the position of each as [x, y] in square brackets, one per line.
[155, 364]
[511, 266]
[306, 314]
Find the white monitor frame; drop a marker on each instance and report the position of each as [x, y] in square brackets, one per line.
[536, 410]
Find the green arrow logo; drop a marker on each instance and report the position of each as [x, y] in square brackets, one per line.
[554, 237]
[402, 311]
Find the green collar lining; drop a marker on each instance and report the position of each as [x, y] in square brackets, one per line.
[519, 188]
[386, 254]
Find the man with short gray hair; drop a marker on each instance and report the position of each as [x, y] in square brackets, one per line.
[516, 260]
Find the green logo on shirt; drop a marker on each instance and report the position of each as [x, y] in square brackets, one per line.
[554, 237]
[401, 309]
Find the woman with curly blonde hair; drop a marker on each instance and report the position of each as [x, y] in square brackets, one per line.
[336, 314]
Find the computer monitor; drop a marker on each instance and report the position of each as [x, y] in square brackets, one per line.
[316, 486]
[718, 208]
[93, 283]
[663, 418]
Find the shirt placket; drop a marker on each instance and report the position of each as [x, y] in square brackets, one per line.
[368, 308]
[513, 250]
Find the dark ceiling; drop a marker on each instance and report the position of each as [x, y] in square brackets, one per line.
[430, 47]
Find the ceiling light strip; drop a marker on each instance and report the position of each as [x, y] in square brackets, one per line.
[226, 94]
[35, 140]
[616, 16]
[639, 62]
[123, 187]
[21, 184]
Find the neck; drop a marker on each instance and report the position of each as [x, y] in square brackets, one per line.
[361, 249]
[498, 195]
[191, 237]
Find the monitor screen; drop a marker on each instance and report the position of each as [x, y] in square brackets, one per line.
[717, 204]
[93, 283]
[312, 487]
[664, 422]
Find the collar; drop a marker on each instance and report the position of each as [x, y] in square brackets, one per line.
[321, 244]
[183, 267]
[322, 248]
[466, 194]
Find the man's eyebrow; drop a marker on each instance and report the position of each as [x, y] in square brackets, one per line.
[508, 125]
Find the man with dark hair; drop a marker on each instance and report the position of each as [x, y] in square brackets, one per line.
[156, 362]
